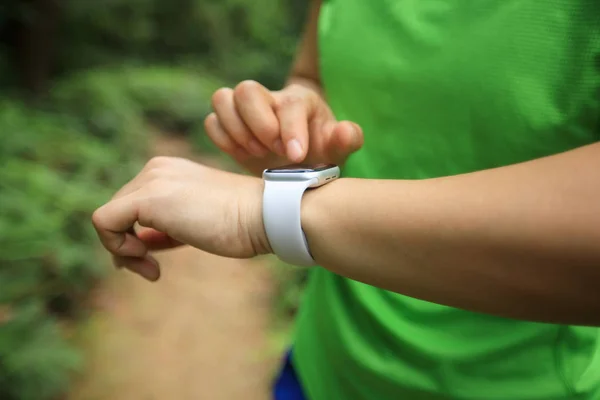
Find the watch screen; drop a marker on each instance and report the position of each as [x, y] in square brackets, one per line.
[302, 168]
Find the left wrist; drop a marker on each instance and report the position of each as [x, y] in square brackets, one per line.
[284, 191]
[316, 208]
[255, 220]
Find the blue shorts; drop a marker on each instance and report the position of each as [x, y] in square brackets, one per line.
[287, 386]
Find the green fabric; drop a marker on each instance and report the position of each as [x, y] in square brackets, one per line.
[444, 87]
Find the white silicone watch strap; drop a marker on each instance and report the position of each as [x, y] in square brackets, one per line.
[283, 225]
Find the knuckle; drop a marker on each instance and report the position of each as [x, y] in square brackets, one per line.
[156, 167]
[158, 162]
[290, 100]
[220, 96]
[98, 218]
[298, 90]
[294, 88]
[245, 88]
[154, 174]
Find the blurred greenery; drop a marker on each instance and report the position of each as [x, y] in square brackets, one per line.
[52, 175]
[81, 83]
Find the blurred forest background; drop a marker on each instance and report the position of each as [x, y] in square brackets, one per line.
[81, 85]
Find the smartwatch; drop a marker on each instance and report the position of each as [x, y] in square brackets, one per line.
[282, 197]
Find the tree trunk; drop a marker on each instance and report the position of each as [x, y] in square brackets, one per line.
[35, 44]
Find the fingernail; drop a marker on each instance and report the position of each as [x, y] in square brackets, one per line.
[278, 146]
[256, 148]
[294, 150]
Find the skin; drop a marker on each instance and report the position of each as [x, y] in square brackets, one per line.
[262, 129]
[521, 241]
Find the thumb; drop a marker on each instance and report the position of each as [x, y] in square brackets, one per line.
[346, 138]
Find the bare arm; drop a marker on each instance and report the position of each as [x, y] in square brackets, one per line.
[305, 69]
[521, 241]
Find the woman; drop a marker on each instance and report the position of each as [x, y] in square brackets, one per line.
[461, 252]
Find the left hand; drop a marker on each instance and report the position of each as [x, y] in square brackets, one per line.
[182, 202]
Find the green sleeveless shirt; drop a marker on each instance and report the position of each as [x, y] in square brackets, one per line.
[444, 87]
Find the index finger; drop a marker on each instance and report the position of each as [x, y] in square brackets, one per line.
[293, 124]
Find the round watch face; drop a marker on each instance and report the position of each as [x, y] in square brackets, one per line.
[301, 168]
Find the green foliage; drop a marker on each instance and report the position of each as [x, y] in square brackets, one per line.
[290, 284]
[238, 39]
[36, 360]
[53, 176]
[118, 67]
[99, 102]
[59, 162]
[117, 103]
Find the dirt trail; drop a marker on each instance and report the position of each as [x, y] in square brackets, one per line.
[201, 332]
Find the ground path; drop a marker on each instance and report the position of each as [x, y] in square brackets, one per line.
[201, 332]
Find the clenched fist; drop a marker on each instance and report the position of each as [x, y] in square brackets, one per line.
[262, 129]
[182, 202]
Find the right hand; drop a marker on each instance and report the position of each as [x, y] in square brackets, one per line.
[262, 129]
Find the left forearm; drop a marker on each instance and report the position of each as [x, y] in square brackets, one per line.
[521, 241]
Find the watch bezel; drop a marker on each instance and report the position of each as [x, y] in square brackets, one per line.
[301, 168]
[321, 174]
